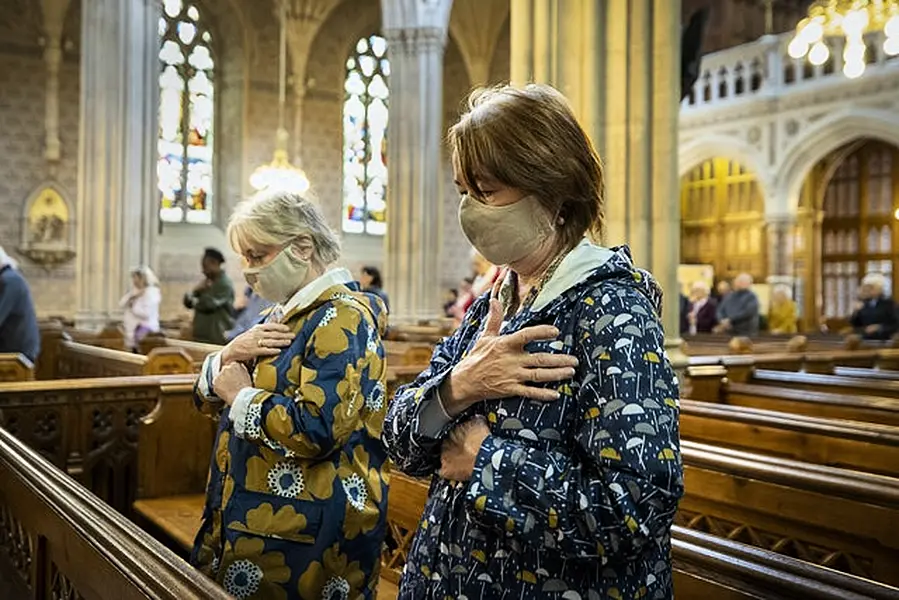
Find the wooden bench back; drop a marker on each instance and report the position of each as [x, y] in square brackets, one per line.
[867, 447]
[86, 427]
[174, 445]
[77, 360]
[408, 354]
[815, 382]
[844, 520]
[60, 541]
[15, 367]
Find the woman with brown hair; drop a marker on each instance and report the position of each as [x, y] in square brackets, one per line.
[548, 421]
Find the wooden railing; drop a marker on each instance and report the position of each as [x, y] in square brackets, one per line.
[15, 367]
[88, 427]
[64, 543]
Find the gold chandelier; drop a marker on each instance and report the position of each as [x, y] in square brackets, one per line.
[851, 19]
[280, 174]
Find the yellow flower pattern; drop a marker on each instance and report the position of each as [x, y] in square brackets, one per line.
[297, 493]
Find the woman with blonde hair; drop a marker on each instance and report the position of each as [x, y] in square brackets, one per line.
[297, 495]
[141, 305]
[548, 421]
[782, 317]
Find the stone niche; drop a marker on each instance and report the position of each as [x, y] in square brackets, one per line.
[48, 227]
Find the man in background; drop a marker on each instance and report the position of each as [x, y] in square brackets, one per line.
[875, 315]
[738, 312]
[212, 301]
[19, 332]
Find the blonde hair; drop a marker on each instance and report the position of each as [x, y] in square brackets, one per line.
[147, 274]
[528, 138]
[277, 218]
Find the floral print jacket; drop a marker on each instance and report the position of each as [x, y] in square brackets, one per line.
[297, 496]
[569, 499]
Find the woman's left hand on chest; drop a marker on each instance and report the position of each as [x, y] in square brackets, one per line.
[230, 380]
[460, 449]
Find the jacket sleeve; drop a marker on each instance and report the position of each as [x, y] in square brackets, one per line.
[340, 371]
[614, 489]
[218, 295]
[746, 310]
[204, 397]
[415, 451]
[11, 296]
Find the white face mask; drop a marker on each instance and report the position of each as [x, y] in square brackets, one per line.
[505, 234]
[280, 278]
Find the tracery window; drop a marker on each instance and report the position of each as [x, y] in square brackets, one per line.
[859, 224]
[185, 144]
[365, 138]
[722, 219]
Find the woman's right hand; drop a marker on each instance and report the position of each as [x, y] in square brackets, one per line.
[265, 339]
[498, 366]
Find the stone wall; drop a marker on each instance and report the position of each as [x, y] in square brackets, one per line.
[23, 168]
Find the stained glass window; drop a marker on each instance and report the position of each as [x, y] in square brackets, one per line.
[185, 115]
[364, 138]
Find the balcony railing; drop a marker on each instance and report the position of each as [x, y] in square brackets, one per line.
[764, 68]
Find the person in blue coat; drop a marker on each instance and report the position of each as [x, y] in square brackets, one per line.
[296, 502]
[19, 331]
[548, 422]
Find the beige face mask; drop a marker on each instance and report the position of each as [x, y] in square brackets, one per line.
[505, 234]
[280, 278]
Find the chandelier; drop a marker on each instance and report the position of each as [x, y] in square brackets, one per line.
[280, 174]
[851, 19]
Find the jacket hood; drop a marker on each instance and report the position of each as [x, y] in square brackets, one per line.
[589, 263]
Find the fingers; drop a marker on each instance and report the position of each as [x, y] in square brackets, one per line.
[533, 334]
[547, 360]
[265, 351]
[494, 318]
[536, 393]
[546, 375]
[271, 327]
[498, 284]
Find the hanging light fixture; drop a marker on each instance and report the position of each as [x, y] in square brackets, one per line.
[280, 174]
[852, 19]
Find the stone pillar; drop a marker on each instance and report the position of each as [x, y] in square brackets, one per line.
[781, 234]
[117, 188]
[54, 19]
[416, 36]
[619, 64]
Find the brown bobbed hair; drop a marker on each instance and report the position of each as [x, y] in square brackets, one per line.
[528, 138]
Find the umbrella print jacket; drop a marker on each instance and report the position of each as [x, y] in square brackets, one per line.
[569, 499]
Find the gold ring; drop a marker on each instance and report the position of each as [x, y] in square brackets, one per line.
[261, 342]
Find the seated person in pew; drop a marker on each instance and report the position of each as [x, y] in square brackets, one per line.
[19, 331]
[141, 306]
[702, 317]
[875, 316]
[548, 420]
[782, 312]
[738, 312]
[297, 497]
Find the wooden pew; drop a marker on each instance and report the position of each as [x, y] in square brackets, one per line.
[174, 446]
[712, 384]
[88, 427]
[844, 520]
[867, 447]
[61, 542]
[864, 374]
[816, 382]
[15, 367]
[77, 360]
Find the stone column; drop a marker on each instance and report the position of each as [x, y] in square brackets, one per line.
[781, 234]
[54, 20]
[117, 188]
[416, 36]
[619, 64]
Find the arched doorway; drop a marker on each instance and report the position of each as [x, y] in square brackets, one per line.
[848, 224]
[723, 219]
